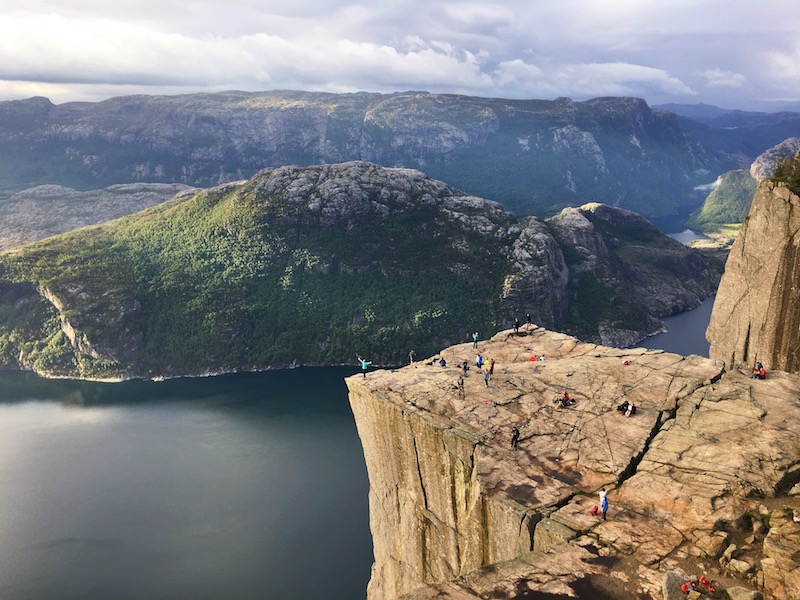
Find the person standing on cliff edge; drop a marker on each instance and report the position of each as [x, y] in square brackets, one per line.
[514, 436]
[475, 340]
[604, 502]
[364, 365]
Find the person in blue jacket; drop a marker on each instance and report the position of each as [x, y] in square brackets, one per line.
[364, 365]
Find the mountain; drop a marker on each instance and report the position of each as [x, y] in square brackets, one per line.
[315, 265]
[533, 156]
[739, 135]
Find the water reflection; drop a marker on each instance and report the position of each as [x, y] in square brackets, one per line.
[241, 486]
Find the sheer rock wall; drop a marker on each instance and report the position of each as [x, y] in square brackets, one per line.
[756, 316]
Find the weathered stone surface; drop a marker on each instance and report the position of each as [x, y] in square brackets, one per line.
[782, 551]
[740, 593]
[455, 510]
[756, 314]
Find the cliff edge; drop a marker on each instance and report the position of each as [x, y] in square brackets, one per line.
[756, 316]
[699, 479]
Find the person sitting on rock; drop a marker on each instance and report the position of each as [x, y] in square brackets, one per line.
[623, 408]
[689, 586]
[631, 410]
[758, 372]
[566, 400]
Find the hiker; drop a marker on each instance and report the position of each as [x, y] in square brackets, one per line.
[465, 367]
[631, 410]
[486, 378]
[528, 320]
[442, 362]
[475, 340]
[491, 366]
[623, 408]
[516, 325]
[603, 502]
[412, 356]
[461, 385]
[479, 360]
[514, 436]
[758, 372]
[364, 365]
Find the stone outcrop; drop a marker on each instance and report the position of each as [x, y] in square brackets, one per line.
[756, 316]
[694, 477]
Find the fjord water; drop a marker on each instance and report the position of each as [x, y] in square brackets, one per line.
[239, 486]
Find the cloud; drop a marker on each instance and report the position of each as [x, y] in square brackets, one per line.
[665, 52]
[719, 78]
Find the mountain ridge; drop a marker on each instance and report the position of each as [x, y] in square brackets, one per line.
[534, 156]
[313, 265]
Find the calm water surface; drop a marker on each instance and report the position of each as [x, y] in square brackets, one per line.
[686, 332]
[240, 486]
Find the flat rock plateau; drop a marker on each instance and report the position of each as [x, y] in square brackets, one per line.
[701, 480]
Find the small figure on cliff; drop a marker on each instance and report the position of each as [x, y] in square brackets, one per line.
[631, 410]
[516, 324]
[465, 367]
[514, 436]
[758, 372]
[475, 340]
[412, 356]
[461, 386]
[528, 320]
[442, 362]
[479, 360]
[486, 378]
[603, 502]
[491, 366]
[364, 365]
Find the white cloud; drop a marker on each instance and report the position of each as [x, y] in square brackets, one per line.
[720, 78]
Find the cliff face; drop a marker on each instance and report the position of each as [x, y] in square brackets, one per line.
[692, 477]
[756, 314]
[534, 156]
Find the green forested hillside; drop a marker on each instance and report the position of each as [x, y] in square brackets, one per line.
[239, 277]
[317, 265]
[728, 203]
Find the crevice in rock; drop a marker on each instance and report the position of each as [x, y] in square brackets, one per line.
[419, 474]
[636, 460]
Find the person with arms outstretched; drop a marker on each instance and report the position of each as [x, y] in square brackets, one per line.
[364, 365]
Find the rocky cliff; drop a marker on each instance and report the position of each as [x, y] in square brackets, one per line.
[534, 156]
[378, 260]
[701, 480]
[756, 316]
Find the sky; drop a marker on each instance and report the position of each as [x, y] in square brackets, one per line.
[729, 53]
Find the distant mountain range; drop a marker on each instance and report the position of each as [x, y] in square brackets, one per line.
[315, 265]
[534, 156]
